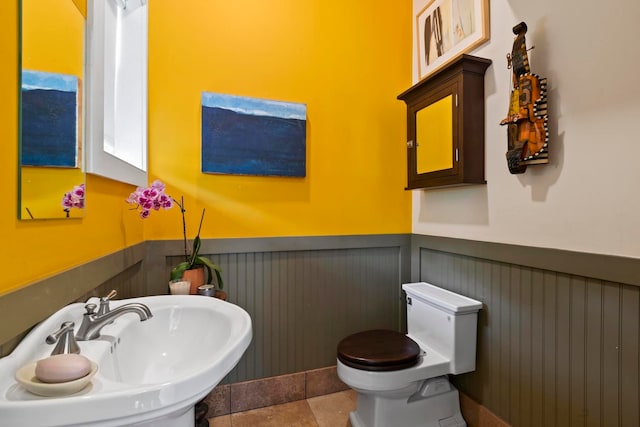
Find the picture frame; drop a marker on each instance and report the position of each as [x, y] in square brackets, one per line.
[445, 29]
[252, 136]
[50, 111]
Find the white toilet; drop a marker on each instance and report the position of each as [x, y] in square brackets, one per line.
[402, 380]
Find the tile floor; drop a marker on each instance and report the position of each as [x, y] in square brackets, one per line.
[330, 410]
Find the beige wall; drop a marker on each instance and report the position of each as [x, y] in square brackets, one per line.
[586, 199]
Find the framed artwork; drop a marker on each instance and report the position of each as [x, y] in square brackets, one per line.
[251, 136]
[446, 29]
[50, 119]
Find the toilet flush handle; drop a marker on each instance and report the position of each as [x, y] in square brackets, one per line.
[409, 302]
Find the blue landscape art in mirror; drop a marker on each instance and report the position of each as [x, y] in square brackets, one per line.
[49, 119]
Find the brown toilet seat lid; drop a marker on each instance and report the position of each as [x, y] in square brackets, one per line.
[378, 350]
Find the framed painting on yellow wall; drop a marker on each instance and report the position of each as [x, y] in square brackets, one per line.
[445, 29]
[252, 136]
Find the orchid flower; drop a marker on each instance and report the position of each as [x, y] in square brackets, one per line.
[74, 198]
[150, 198]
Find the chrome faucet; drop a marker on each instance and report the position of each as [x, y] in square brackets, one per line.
[92, 323]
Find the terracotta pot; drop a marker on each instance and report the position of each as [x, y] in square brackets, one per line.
[196, 277]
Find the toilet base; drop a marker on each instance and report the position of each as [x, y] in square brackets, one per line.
[438, 410]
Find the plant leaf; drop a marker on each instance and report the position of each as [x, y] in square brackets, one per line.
[219, 277]
[210, 266]
[194, 251]
[179, 270]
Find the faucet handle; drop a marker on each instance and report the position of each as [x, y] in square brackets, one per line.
[104, 302]
[66, 342]
[90, 309]
[111, 295]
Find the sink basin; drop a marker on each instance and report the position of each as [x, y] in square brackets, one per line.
[149, 373]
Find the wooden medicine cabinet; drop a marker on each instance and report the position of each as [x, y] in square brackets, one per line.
[445, 126]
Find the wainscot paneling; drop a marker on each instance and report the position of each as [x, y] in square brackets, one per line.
[558, 335]
[25, 307]
[303, 294]
[555, 349]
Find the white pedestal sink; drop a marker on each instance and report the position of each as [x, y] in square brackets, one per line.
[149, 373]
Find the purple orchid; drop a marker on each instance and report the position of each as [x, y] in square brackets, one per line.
[150, 198]
[73, 198]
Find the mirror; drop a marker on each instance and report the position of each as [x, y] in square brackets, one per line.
[51, 176]
[434, 129]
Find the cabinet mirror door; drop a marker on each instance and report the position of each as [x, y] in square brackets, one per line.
[434, 136]
[433, 152]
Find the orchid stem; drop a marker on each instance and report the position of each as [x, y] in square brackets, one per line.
[184, 229]
[201, 219]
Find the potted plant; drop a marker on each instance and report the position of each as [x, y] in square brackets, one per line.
[193, 260]
[155, 198]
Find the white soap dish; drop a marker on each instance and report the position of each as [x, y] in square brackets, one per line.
[26, 376]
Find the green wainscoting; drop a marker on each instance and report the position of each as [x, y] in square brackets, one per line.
[558, 335]
[555, 348]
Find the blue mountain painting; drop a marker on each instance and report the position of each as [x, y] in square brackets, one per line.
[49, 114]
[249, 136]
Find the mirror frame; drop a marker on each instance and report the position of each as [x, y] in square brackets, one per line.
[74, 213]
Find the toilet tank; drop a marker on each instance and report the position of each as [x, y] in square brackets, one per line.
[445, 322]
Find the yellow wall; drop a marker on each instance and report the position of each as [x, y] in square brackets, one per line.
[43, 189]
[31, 250]
[347, 60]
[42, 35]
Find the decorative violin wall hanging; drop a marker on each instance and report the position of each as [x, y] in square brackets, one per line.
[527, 120]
